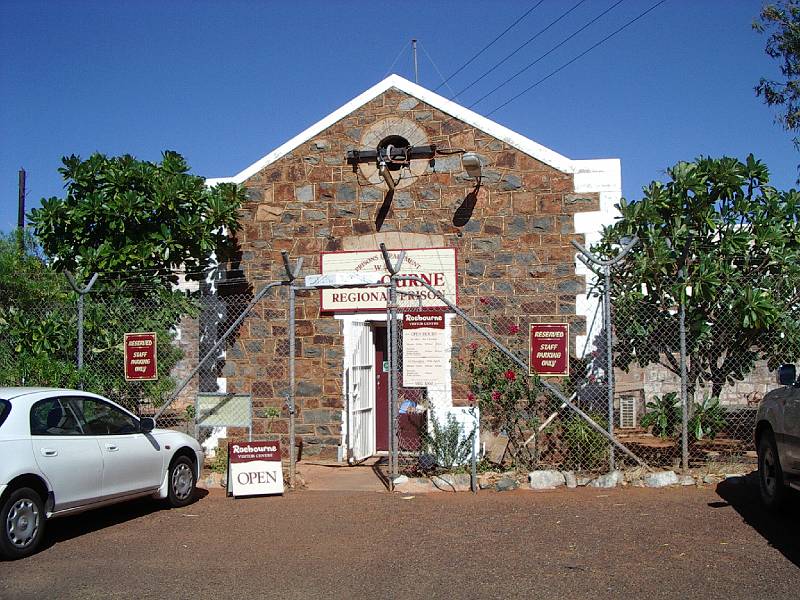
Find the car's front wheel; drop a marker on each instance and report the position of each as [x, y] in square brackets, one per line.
[22, 517]
[770, 474]
[182, 482]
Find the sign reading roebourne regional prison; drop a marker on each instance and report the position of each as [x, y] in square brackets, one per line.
[549, 344]
[140, 357]
[425, 362]
[254, 468]
[435, 266]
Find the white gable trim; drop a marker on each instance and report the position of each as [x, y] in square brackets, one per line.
[529, 147]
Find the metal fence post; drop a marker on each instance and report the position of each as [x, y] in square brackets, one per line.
[291, 275]
[390, 350]
[609, 360]
[587, 257]
[393, 341]
[684, 391]
[394, 383]
[81, 293]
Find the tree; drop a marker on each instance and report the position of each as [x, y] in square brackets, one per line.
[37, 318]
[782, 22]
[717, 237]
[136, 220]
[136, 223]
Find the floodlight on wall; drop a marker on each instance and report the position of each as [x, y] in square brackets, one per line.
[472, 164]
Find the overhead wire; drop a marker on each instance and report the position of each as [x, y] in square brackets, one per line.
[489, 45]
[528, 41]
[581, 55]
[419, 42]
[546, 54]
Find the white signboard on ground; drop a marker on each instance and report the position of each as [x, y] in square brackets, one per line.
[254, 468]
[435, 266]
[426, 363]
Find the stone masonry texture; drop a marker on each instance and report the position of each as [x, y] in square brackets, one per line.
[512, 238]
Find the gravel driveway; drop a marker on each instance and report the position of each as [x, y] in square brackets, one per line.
[585, 543]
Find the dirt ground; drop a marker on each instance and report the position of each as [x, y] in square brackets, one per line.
[585, 543]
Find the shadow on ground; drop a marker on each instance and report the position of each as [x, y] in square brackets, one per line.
[71, 527]
[781, 529]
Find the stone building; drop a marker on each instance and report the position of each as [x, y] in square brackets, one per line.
[504, 236]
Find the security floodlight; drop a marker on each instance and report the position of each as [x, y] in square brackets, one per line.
[472, 164]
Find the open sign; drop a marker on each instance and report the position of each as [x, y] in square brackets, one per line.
[255, 468]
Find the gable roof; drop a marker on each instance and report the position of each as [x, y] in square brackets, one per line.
[520, 142]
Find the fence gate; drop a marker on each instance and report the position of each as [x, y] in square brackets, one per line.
[361, 393]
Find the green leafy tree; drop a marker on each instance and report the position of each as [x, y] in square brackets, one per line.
[718, 238]
[781, 21]
[137, 224]
[37, 318]
[136, 219]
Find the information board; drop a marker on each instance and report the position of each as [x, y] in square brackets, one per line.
[141, 356]
[426, 363]
[549, 349]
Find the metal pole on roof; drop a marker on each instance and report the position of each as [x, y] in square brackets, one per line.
[416, 68]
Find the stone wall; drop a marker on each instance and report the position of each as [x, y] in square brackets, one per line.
[656, 380]
[512, 235]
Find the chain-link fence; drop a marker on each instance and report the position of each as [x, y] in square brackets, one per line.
[456, 365]
[690, 377]
[226, 369]
[449, 363]
[197, 335]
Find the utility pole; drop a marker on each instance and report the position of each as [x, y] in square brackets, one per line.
[21, 214]
[416, 68]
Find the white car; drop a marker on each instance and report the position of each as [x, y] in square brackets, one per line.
[778, 439]
[66, 451]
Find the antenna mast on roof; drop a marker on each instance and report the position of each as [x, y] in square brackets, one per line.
[414, 52]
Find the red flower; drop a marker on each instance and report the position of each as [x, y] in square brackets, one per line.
[495, 395]
[512, 329]
[473, 345]
[471, 398]
[510, 375]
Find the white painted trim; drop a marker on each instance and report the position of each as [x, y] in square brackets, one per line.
[605, 177]
[520, 142]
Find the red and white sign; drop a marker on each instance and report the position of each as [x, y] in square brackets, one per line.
[549, 346]
[435, 266]
[254, 468]
[423, 320]
[426, 356]
[141, 356]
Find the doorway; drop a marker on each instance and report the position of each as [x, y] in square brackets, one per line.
[381, 388]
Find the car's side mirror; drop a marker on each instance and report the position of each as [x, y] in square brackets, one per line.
[787, 375]
[147, 424]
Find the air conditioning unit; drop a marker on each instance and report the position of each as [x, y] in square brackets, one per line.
[627, 412]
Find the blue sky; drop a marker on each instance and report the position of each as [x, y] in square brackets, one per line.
[224, 83]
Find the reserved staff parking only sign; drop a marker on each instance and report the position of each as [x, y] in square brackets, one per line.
[254, 468]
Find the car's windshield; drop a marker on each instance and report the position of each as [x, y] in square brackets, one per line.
[5, 408]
